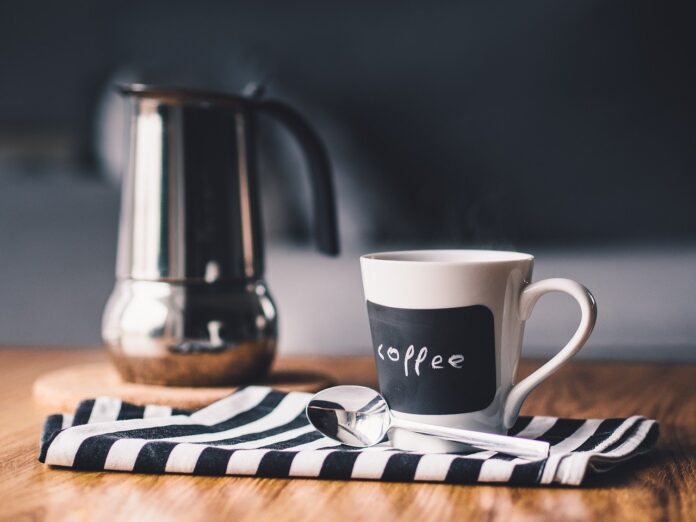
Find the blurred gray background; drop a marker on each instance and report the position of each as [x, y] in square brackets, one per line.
[566, 129]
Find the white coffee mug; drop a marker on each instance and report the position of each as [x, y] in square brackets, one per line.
[447, 330]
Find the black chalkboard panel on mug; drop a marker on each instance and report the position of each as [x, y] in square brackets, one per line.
[435, 361]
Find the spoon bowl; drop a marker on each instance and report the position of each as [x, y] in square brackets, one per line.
[353, 415]
[358, 416]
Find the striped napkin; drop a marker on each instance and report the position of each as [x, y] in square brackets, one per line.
[262, 432]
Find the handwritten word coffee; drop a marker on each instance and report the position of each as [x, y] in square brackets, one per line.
[436, 363]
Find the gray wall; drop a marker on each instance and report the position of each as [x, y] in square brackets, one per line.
[504, 123]
[562, 128]
[58, 245]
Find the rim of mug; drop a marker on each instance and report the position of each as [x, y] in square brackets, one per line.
[452, 256]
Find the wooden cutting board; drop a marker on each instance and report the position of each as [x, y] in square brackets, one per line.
[62, 390]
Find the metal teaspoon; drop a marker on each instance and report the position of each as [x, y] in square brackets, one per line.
[360, 417]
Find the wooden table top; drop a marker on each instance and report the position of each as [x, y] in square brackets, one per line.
[658, 486]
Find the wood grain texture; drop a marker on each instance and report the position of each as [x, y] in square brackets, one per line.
[659, 486]
[63, 389]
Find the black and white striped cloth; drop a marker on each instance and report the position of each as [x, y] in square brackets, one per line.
[262, 432]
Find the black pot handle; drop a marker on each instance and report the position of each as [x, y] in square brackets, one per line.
[325, 222]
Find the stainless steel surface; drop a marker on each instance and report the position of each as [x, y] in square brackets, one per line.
[359, 416]
[190, 306]
[190, 209]
[191, 334]
[353, 415]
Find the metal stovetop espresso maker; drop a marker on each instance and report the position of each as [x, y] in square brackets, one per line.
[190, 306]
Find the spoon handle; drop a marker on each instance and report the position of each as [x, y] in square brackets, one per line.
[526, 448]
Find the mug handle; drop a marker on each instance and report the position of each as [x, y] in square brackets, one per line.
[588, 315]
